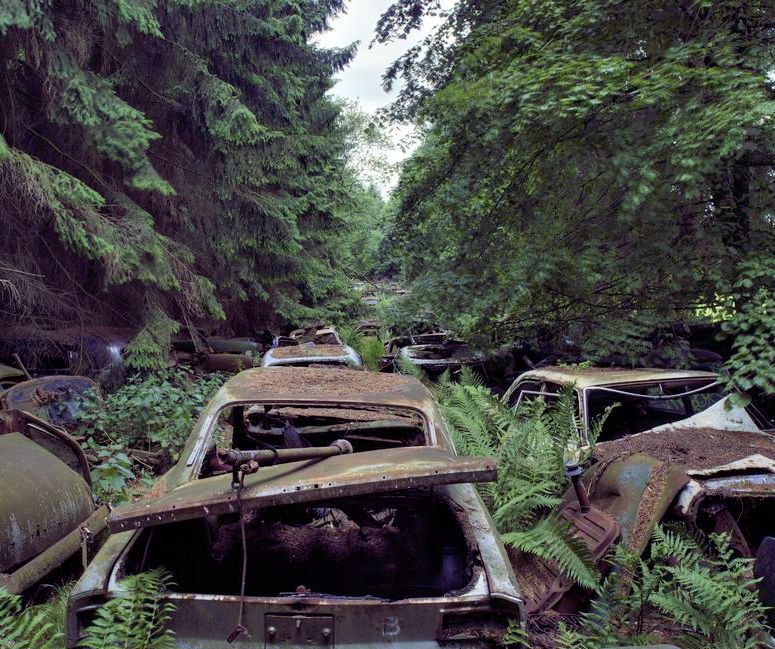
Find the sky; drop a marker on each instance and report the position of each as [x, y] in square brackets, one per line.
[361, 80]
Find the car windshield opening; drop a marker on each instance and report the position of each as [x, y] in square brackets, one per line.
[270, 426]
[638, 408]
[397, 546]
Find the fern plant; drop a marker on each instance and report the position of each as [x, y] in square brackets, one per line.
[530, 446]
[22, 628]
[136, 619]
[692, 594]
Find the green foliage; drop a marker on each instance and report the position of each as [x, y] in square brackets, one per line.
[136, 618]
[22, 627]
[752, 327]
[371, 348]
[530, 446]
[111, 473]
[590, 170]
[149, 348]
[153, 411]
[692, 596]
[156, 410]
[167, 163]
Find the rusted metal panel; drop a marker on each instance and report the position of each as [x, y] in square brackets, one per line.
[228, 362]
[53, 398]
[344, 475]
[637, 491]
[584, 377]
[55, 440]
[53, 556]
[203, 622]
[42, 500]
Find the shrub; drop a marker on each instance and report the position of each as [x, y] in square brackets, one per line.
[152, 411]
[693, 594]
[371, 348]
[136, 619]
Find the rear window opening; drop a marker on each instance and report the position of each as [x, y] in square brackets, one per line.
[388, 547]
[639, 408]
[267, 426]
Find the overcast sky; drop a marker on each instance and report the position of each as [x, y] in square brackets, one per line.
[361, 80]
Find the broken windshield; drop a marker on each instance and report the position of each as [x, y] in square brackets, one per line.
[278, 426]
[637, 408]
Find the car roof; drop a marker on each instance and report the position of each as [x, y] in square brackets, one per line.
[323, 385]
[588, 377]
[310, 351]
[296, 354]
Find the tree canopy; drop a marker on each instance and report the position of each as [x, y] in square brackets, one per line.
[591, 168]
[171, 162]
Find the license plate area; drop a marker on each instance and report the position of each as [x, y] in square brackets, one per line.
[308, 631]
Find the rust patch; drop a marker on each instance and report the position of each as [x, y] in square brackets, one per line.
[695, 448]
[159, 488]
[647, 518]
[309, 351]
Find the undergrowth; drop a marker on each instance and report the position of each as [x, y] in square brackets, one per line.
[152, 412]
[695, 595]
[692, 592]
[530, 446]
[41, 626]
[371, 348]
[135, 619]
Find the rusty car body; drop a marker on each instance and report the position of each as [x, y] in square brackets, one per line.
[46, 505]
[56, 399]
[361, 525]
[309, 354]
[673, 447]
[10, 376]
[91, 351]
[646, 398]
[446, 356]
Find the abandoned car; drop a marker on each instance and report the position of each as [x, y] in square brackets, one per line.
[10, 376]
[55, 399]
[645, 398]
[47, 511]
[672, 447]
[361, 524]
[448, 355]
[89, 351]
[318, 334]
[312, 354]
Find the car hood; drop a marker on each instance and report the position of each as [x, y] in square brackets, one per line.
[307, 481]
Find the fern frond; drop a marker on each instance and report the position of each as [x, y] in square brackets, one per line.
[550, 539]
[137, 618]
[22, 628]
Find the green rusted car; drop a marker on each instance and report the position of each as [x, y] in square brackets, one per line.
[316, 507]
[46, 508]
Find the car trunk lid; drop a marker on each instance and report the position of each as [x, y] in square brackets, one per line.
[307, 481]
